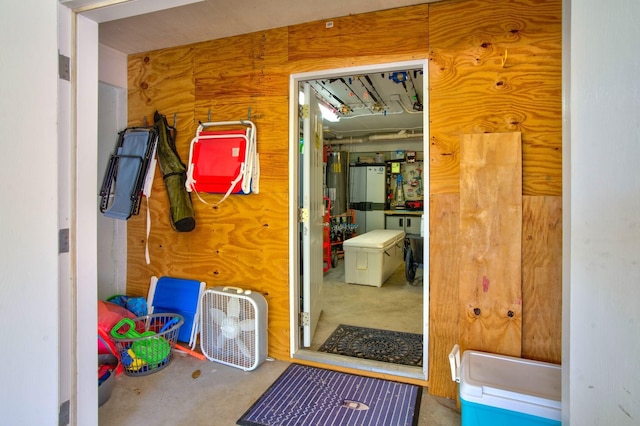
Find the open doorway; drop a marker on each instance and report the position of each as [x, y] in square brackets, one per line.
[373, 117]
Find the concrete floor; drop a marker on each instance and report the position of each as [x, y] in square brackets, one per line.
[221, 394]
[218, 397]
[396, 305]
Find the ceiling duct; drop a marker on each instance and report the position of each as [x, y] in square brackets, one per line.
[403, 134]
[416, 109]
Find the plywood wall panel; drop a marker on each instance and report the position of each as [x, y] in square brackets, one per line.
[245, 240]
[266, 113]
[230, 108]
[444, 276]
[255, 84]
[161, 80]
[490, 242]
[496, 67]
[542, 278]
[217, 233]
[259, 50]
[377, 33]
[246, 65]
[228, 245]
[220, 251]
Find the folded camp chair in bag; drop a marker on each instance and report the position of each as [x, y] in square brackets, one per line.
[174, 175]
[178, 296]
[124, 178]
[224, 161]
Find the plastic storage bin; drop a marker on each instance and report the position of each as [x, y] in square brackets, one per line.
[371, 258]
[499, 390]
[107, 367]
[146, 344]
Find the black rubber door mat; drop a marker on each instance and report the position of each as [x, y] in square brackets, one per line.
[379, 345]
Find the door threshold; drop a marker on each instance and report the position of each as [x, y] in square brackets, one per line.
[398, 370]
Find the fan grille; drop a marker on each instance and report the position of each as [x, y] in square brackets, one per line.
[226, 342]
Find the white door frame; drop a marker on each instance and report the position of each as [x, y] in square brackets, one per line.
[78, 328]
[296, 351]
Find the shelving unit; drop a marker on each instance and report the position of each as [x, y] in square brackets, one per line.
[326, 237]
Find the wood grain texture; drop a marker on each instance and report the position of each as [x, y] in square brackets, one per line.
[542, 278]
[444, 277]
[253, 65]
[245, 241]
[490, 243]
[161, 80]
[472, 91]
[377, 33]
[221, 250]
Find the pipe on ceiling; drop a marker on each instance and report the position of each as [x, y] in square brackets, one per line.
[403, 134]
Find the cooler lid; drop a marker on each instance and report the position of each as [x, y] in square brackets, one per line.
[502, 376]
[378, 238]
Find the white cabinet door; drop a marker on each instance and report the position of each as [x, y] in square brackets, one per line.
[409, 224]
[394, 222]
[412, 225]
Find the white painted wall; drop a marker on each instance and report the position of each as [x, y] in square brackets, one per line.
[602, 263]
[112, 118]
[28, 218]
[112, 233]
[112, 67]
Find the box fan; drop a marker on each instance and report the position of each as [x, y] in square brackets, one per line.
[234, 327]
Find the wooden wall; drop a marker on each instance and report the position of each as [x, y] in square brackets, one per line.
[496, 66]
[244, 241]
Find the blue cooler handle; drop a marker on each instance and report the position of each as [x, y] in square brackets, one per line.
[454, 362]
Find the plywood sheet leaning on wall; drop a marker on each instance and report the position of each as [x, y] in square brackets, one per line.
[542, 278]
[491, 242]
[444, 256]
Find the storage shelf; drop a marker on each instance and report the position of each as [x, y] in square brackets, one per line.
[340, 229]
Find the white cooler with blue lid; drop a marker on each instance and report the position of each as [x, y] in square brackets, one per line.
[501, 390]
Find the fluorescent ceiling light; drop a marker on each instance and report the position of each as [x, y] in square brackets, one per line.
[329, 114]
